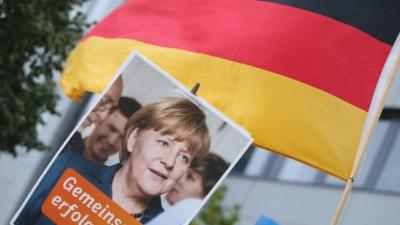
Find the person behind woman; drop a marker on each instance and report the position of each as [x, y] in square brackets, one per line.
[106, 138]
[185, 197]
[161, 140]
[199, 179]
[98, 114]
[106, 105]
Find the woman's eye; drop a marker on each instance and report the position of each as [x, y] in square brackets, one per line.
[185, 158]
[163, 143]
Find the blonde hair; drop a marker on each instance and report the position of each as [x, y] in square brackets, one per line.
[172, 116]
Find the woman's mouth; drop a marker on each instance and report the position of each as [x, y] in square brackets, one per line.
[159, 174]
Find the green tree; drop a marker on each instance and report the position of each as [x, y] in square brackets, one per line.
[35, 37]
[214, 214]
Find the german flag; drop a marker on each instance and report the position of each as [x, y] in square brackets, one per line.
[299, 75]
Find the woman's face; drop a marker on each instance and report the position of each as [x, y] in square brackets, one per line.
[156, 162]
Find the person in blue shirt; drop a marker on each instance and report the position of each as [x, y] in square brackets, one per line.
[160, 142]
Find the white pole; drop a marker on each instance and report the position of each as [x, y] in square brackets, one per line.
[382, 88]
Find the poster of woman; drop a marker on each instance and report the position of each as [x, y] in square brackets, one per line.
[173, 149]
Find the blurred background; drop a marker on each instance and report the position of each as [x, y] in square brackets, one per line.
[261, 183]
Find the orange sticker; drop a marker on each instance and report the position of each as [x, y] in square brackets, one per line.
[74, 200]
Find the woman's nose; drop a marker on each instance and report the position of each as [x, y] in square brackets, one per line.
[168, 159]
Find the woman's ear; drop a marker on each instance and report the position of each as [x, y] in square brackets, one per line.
[132, 140]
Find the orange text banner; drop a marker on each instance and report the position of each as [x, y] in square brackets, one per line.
[74, 200]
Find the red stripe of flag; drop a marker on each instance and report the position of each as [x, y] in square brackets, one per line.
[302, 45]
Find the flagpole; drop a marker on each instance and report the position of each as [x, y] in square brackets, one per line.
[389, 70]
[343, 199]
